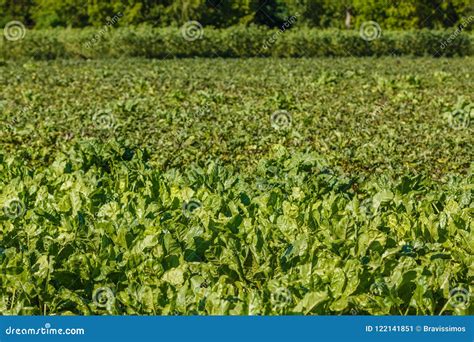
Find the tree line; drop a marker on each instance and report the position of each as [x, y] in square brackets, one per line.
[390, 14]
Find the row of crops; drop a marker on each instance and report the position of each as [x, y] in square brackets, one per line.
[193, 40]
[252, 186]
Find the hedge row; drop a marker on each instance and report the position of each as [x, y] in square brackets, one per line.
[232, 42]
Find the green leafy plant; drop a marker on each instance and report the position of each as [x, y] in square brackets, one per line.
[291, 186]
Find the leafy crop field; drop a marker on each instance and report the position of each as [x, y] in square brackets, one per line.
[249, 186]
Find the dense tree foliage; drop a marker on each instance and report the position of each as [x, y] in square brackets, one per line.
[392, 14]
